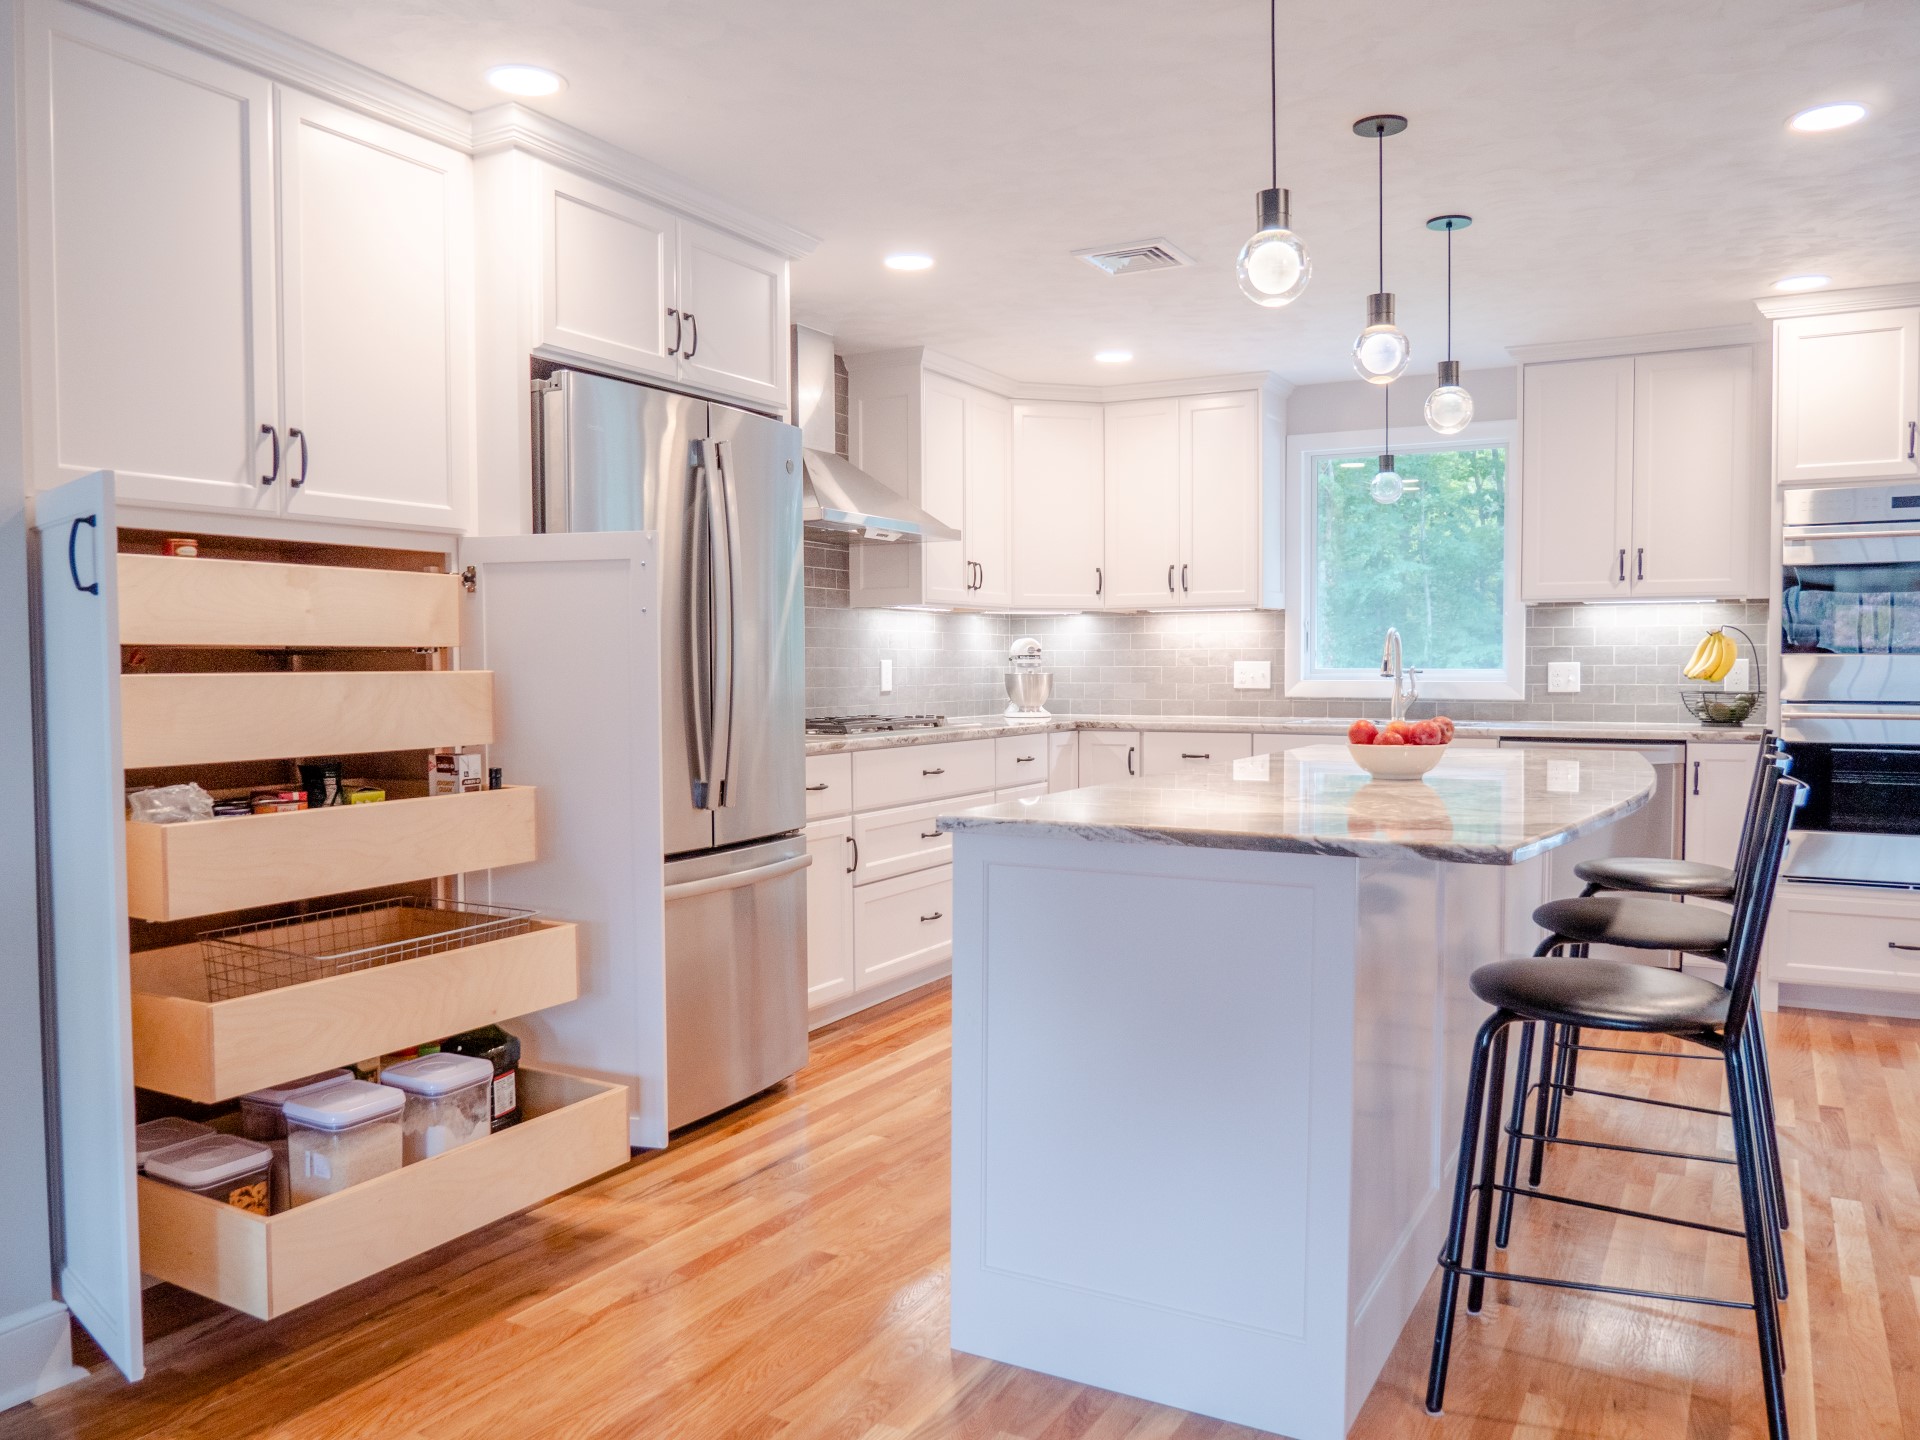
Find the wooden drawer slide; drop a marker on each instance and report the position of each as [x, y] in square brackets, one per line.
[267, 1265]
[168, 600]
[186, 1045]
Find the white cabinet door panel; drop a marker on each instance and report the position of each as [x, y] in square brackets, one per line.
[1719, 779]
[1693, 473]
[1576, 479]
[1063, 764]
[829, 785]
[989, 497]
[607, 277]
[734, 298]
[376, 241]
[1058, 485]
[943, 488]
[1848, 405]
[1220, 500]
[1142, 509]
[1020, 759]
[906, 839]
[1108, 757]
[829, 911]
[1170, 751]
[908, 774]
[150, 266]
[902, 925]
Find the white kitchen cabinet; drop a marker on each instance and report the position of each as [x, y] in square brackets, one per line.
[1848, 936]
[1637, 476]
[1220, 499]
[1719, 778]
[907, 838]
[1057, 506]
[829, 910]
[151, 304]
[1108, 756]
[1063, 761]
[909, 774]
[1021, 760]
[1142, 504]
[901, 926]
[989, 499]
[733, 296]
[829, 785]
[1168, 752]
[1847, 396]
[376, 241]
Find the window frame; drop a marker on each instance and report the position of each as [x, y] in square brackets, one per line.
[1305, 681]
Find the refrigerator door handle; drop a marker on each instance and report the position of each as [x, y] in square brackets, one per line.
[702, 672]
[760, 875]
[725, 530]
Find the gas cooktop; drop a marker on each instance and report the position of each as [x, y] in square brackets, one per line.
[871, 724]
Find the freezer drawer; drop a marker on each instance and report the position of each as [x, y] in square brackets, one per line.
[736, 932]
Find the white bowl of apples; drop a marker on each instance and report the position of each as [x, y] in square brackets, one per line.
[1400, 749]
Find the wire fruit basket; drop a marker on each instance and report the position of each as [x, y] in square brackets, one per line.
[247, 959]
[1715, 706]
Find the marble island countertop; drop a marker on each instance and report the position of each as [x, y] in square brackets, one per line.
[1477, 807]
[987, 726]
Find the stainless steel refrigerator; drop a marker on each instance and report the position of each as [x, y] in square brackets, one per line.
[721, 489]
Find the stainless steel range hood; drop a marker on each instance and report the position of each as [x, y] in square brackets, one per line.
[839, 495]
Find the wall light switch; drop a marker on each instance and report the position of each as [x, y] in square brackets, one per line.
[1737, 677]
[886, 677]
[1563, 677]
[1253, 675]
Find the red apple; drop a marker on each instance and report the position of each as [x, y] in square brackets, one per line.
[1362, 732]
[1392, 737]
[1446, 726]
[1427, 732]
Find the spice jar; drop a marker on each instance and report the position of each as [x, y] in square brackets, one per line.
[340, 1135]
[220, 1167]
[502, 1051]
[448, 1102]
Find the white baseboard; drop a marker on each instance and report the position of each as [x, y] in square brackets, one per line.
[1894, 1004]
[866, 999]
[36, 1353]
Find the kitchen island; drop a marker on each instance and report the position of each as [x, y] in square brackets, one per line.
[1210, 1041]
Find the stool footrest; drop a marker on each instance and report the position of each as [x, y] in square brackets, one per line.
[1555, 1284]
[1619, 1210]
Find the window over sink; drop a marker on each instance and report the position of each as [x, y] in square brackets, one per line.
[1440, 565]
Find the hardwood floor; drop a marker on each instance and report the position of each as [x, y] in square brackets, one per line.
[782, 1273]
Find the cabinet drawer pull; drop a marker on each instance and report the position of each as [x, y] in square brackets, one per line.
[1912, 426]
[1170, 570]
[933, 772]
[1640, 563]
[92, 522]
[854, 863]
[1023, 759]
[1623, 567]
[1183, 579]
[274, 435]
[1130, 759]
[305, 454]
[1188, 755]
[929, 834]
[693, 331]
[821, 786]
[674, 315]
[935, 916]
[1696, 777]
[1896, 945]
[1100, 580]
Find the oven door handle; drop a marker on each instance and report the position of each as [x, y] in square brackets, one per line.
[1910, 713]
[1807, 536]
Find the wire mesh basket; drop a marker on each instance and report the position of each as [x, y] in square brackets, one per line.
[247, 959]
[1720, 707]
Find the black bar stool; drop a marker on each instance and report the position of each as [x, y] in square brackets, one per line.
[1633, 999]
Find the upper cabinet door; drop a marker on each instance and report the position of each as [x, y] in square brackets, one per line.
[947, 577]
[1220, 499]
[1848, 406]
[1057, 505]
[989, 497]
[607, 277]
[1576, 475]
[1142, 519]
[376, 245]
[149, 265]
[734, 299]
[1693, 476]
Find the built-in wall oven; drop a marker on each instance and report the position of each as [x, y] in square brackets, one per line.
[1850, 681]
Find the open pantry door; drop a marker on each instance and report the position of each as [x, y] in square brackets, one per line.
[83, 810]
[570, 627]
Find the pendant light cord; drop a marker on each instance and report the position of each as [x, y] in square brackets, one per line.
[1386, 419]
[1273, 84]
[1380, 134]
[1449, 289]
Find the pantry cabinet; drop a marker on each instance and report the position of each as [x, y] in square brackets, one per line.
[1058, 506]
[234, 312]
[1637, 476]
[1847, 396]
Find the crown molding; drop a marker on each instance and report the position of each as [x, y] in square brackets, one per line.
[1636, 344]
[279, 56]
[1838, 302]
[515, 127]
[965, 371]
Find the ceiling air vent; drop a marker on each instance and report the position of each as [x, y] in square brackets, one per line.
[1137, 258]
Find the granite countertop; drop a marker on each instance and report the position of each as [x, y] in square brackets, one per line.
[984, 727]
[1477, 807]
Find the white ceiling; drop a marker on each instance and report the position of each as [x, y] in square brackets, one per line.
[1627, 164]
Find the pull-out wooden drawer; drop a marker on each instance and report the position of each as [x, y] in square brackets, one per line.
[1169, 752]
[172, 600]
[1831, 935]
[903, 840]
[829, 785]
[1020, 759]
[908, 774]
[902, 925]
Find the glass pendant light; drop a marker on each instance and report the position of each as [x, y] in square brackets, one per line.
[1381, 353]
[1387, 486]
[1449, 407]
[1273, 266]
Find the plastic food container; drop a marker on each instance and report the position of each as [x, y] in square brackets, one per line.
[449, 1101]
[263, 1117]
[159, 1134]
[220, 1167]
[340, 1135]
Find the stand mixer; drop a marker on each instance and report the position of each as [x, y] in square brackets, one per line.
[1028, 686]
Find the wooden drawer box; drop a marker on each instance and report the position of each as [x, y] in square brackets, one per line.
[168, 600]
[187, 1045]
[829, 785]
[902, 925]
[203, 719]
[902, 840]
[206, 866]
[1020, 759]
[908, 774]
[266, 1265]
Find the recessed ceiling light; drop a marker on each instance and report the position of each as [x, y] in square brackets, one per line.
[1802, 282]
[1828, 117]
[909, 262]
[1113, 357]
[525, 80]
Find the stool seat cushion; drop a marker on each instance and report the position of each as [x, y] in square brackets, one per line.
[1637, 922]
[1658, 877]
[1603, 995]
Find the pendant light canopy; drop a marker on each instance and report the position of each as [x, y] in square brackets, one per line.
[1381, 352]
[1273, 266]
[1387, 486]
[1449, 407]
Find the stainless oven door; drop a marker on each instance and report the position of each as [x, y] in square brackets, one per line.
[1861, 822]
[1850, 597]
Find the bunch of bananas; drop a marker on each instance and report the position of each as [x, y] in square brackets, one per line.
[1712, 658]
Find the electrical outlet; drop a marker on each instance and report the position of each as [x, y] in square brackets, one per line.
[1253, 675]
[886, 677]
[1563, 677]
[1737, 677]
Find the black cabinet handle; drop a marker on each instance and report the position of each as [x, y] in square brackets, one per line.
[1896, 945]
[1623, 567]
[935, 916]
[268, 430]
[821, 786]
[929, 834]
[933, 772]
[1129, 759]
[1170, 570]
[301, 436]
[1023, 759]
[1187, 755]
[73, 562]
[854, 863]
[980, 575]
[1183, 579]
[674, 349]
[1912, 426]
[1100, 580]
[1640, 563]
[693, 329]
[1696, 777]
